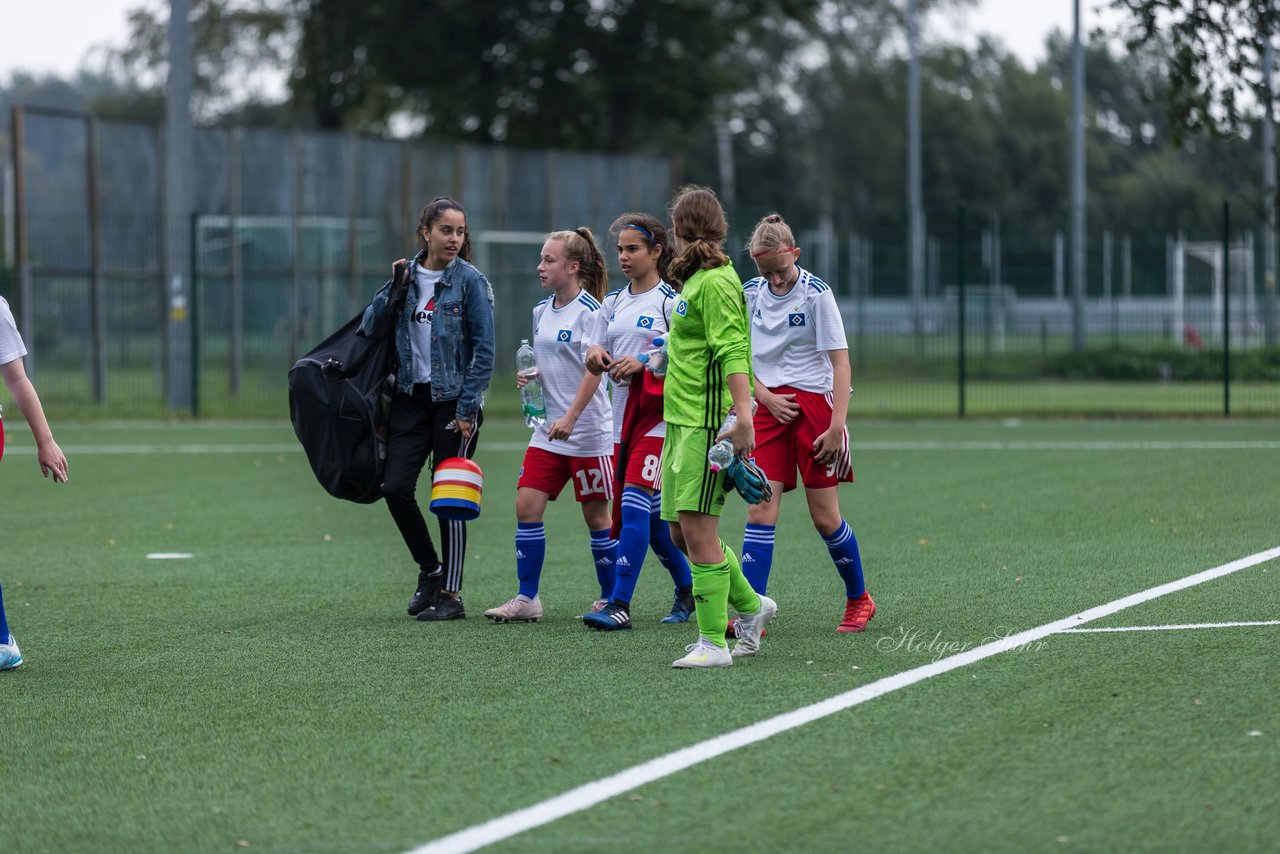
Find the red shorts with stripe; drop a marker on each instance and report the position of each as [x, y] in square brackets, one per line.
[592, 477]
[781, 449]
[644, 463]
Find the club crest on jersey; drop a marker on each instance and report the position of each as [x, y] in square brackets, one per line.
[564, 336]
[681, 307]
[796, 318]
[644, 321]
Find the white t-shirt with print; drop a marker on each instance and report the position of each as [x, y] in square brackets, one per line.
[420, 325]
[791, 334]
[626, 326]
[11, 346]
[560, 341]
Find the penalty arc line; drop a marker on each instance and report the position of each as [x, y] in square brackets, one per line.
[590, 794]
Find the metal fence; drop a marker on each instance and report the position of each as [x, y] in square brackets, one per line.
[294, 233]
[296, 230]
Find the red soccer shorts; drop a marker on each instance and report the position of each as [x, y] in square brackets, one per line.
[547, 472]
[781, 449]
[644, 463]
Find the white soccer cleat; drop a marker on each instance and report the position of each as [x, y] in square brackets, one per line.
[704, 653]
[518, 610]
[750, 628]
[10, 657]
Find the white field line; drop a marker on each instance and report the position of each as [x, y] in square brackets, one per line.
[590, 794]
[1174, 627]
[294, 447]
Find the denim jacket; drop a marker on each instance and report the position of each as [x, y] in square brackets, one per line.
[461, 334]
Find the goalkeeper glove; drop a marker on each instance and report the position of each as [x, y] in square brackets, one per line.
[751, 482]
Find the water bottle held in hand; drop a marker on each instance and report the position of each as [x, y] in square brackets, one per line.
[721, 453]
[532, 403]
[656, 359]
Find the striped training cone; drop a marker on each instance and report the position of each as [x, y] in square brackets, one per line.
[456, 489]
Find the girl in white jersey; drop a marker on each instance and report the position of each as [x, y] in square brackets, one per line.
[575, 444]
[631, 319]
[800, 358]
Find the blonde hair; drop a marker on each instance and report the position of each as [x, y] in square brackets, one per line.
[580, 245]
[771, 236]
[699, 219]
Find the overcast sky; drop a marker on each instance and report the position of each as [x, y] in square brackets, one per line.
[54, 35]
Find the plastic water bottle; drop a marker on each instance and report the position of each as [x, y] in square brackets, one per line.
[656, 359]
[721, 453]
[532, 403]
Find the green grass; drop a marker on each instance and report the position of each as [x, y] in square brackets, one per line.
[135, 395]
[271, 689]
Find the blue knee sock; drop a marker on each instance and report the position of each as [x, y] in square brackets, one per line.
[757, 555]
[633, 544]
[531, 549]
[843, 546]
[660, 541]
[4, 623]
[604, 549]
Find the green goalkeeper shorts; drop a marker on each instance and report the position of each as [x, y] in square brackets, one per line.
[688, 484]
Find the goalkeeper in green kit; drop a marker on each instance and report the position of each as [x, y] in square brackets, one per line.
[709, 369]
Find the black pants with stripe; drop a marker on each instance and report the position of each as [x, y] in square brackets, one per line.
[417, 431]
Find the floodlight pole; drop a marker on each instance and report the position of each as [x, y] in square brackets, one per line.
[915, 194]
[1077, 187]
[179, 160]
[1269, 194]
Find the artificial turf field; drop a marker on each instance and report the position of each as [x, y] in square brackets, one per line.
[270, 693]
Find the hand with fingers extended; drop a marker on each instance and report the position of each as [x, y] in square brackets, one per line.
[783, 407]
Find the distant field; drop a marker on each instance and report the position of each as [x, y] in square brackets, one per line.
[269, 693]
[136, 394]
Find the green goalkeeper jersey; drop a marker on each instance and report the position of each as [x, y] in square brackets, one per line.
[710, 338]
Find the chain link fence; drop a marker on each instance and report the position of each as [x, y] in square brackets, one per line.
[296, 230]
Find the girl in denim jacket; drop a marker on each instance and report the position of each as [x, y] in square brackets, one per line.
[444, 344]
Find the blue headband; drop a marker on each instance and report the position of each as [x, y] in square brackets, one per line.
[640, 228]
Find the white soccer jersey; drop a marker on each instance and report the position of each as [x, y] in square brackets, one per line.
[560, 337]
[626, 326]
[11, 346]
[791, 334]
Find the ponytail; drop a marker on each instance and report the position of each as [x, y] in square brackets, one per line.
[580, 245]
[699, 219]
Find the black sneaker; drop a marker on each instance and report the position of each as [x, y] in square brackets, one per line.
[611, 617]
[444, 608]
[681, 608]
[429, 586]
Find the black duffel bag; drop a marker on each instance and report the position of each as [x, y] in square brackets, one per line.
[338, 395]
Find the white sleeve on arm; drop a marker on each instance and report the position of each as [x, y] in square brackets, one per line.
[11, 346]
[830, 331]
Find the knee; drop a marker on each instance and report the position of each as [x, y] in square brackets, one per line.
[398, 491]
[677, 537]
[826, 523]
[527, 510]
